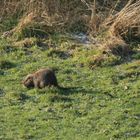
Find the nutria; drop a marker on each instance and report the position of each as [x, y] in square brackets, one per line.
[40, 79]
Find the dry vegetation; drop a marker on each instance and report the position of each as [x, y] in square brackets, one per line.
[119, 19]
[122, 17]
[125, 24]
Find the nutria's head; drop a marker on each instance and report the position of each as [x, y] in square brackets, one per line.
[28, 81]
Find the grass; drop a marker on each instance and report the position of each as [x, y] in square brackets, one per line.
[104, 104]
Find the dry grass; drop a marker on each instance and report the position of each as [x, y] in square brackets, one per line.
[27, 42]
[62, 14]
[127, 21]
[57, 15]
[124, 26]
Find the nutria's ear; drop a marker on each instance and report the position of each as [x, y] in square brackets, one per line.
[28, 77]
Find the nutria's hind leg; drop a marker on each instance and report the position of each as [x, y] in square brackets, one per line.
[36, 84]
[41, 84]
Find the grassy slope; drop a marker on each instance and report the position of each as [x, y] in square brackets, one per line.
[106, 104]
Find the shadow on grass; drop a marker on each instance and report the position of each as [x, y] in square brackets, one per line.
[74, 90]
[84, 91]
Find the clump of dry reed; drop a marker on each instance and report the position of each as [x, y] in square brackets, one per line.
[127, 21]
[123, 26]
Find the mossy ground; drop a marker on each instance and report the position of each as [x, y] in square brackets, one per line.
[104, 105]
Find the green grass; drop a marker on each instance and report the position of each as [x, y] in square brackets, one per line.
[105, 104]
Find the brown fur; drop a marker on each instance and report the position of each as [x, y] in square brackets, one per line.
[41, 79]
